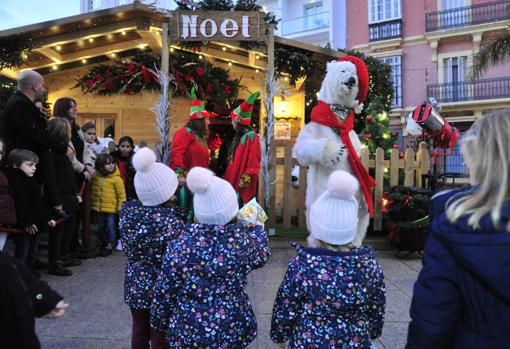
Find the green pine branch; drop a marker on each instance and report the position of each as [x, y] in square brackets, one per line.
[493, 54]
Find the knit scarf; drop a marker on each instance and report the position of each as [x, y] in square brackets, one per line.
[322, 114]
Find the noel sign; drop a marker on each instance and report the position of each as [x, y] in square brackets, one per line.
[217, 26]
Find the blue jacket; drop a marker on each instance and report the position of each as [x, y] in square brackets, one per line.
[462, 296]
[145, 232]
[199, 299]
[330, 299]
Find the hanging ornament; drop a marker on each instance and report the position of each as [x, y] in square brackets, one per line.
[401, 155]
[395, 146]
[368, 136]
[370, 118]
[394, 134]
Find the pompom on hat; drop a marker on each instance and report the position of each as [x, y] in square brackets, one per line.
[155, 183]
[242, 114]
[362, 72]
[334, 215]
[214, 200]
[197, 110]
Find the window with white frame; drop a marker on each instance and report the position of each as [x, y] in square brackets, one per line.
[395, 62]
[455, 71]
[94, 4]
[314, 16]
[383, 10]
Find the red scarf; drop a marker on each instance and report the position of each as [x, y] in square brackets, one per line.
[322, 114]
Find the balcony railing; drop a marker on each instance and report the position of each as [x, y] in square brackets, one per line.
[470, 91]
[306, 23]
[469, 15]
[385, 30]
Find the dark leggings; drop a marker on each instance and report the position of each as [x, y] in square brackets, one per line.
[143, 335]
[60, 239]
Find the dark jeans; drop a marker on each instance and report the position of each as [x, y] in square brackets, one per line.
[107, 227]
[143, 334]
[60, 239]
[26, 247]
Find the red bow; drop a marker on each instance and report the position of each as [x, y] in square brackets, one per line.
[385, 202]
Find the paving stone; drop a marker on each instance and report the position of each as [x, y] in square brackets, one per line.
[98, 318]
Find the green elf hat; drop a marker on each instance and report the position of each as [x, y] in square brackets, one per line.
[197, 110]
[242, 114]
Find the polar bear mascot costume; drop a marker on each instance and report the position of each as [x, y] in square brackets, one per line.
[328, 143]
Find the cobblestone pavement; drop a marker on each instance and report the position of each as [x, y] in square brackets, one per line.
[98, 318]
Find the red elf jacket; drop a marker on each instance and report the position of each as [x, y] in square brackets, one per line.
[188, 150]
[246, 161]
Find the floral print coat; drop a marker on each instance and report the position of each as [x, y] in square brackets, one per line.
[330, 299]
[199, 299]
[145, 232]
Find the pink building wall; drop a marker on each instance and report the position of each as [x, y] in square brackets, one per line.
[357, 23]
[417, 71]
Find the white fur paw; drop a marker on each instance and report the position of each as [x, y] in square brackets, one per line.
[333, 153]
[357, 107]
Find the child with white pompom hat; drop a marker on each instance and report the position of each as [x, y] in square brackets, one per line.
[333, 292]
[199, 299]
[146, 227]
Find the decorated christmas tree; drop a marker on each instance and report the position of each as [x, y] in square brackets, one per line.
[377, 127]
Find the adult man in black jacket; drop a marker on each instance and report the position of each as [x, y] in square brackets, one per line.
[23, 125]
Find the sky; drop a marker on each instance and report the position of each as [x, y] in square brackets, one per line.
[17, 13]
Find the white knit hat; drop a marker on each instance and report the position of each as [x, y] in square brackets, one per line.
[155, 183]
[334, 215]
[215, 201]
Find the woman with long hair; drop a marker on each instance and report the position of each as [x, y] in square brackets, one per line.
[244, 154]
[462, 296]
[189, 147]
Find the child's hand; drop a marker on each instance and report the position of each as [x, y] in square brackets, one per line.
[58, 311]
[32, 229]
[80, 200]
[52, 223]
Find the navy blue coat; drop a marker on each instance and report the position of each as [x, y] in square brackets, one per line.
[462, 296]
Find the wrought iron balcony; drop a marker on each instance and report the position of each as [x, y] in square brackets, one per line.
[469, 15]
[306, 23]
[385, 30]
[470, 91]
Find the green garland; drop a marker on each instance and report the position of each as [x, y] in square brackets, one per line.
[14, 50]
[133, 76]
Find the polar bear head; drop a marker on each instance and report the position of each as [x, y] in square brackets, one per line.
[345, 83]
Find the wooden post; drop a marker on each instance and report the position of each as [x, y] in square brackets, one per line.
[287, 186]
[87, 250]
[394, 158]
[409, 168]
[272, 162]
[164, 49]
[423, 164]
[302, 197]
[379, 178]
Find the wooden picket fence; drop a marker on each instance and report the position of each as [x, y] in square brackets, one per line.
[287, 204]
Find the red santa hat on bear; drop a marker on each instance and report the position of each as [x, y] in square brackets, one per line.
[242, 114]
[197, 110]
[362, 72]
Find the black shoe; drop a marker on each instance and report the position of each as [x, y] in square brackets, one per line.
[105, 251]
[59, 270]
[39, 265]
[71, 262]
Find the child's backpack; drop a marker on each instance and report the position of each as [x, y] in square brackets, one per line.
[7, 206]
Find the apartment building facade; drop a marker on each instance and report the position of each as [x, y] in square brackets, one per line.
[430, 45]
[94, 5]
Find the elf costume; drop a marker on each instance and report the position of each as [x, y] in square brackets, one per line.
[244, 166]
[188, 148]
